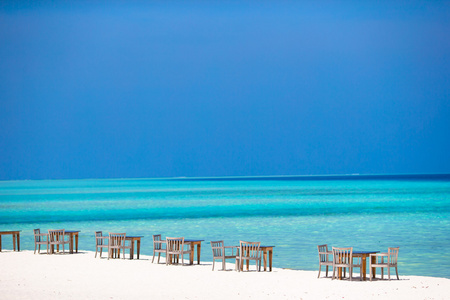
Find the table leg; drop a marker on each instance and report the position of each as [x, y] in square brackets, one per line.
[131, 250]
[138, 242]
[374, 270]
[191, 256]
[14, 241]
[0, 243]
[76, 242]
[199, 247]
[70, 243]
[270, 260]
[18, 242]
[265, 259]
[363, 266]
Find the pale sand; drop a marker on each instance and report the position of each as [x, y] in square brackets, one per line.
[81, 276]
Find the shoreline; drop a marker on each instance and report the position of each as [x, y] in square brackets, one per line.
[82, 276]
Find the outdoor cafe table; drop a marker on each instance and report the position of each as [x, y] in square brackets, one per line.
[267, 251]
[138, 245]
[363, 255]
[73, 234]
[16, 239]
[192, 244]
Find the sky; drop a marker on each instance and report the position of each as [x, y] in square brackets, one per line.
[145, 89]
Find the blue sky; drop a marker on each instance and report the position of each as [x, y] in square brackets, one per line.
[115, 89]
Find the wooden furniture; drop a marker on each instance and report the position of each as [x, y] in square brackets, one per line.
[266, 251]
[219, 250]
[324, 258]
[363, 255]
[73, 235]
[377, 261]
[15, 236]
[100, 242]
[116, 244]
[133, 239]
[158, 246]
[175, 248]
[343, 258]
[56, 238]
[194, 244]
[248, 251]
[40, 239]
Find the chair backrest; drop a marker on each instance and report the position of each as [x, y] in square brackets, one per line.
[393, 255]
[343, 256]
[36, 232]
[323, 253]
[117, 240]
[175, 244]
[217, 248]
[157, 238]
[98, 241]
[56, 235]
[249, 249]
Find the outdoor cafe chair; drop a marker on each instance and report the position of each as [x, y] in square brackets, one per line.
[56, 238]
[175, 248]
[100, 243]
[40, 239]
[158, 246]
[391, 261]
[248, 251]
[324, 258]
[343, 258]
[218, 250]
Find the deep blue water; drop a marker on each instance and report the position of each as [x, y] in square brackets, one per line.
[293, 213]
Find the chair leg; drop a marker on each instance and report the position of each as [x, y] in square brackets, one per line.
[320, 267]
[101, 250]
[382, 271]
[334, 269]
[389, 273]
[326, 271]
[396, 272]
[350, 273]
[96, 249]
[159, 255]
[153, 255]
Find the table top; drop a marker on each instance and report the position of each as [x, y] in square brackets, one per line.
[71, 231]
[190, 241]
[365, 252]
[10, 231]
[134, 236]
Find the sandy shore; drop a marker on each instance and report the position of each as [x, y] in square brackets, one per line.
[80, 276]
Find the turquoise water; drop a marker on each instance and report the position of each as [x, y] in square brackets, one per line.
[295, 214]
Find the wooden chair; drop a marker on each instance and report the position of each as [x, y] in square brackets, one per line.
[56, 238]
[343, 258]
[40, 239]
[116, 243]
[218, 250]
[100, 243]
[324, 258]
[175, 247]
[391, 262]
[248, 251]
[158, 246]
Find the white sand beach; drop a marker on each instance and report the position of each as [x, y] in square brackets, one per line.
[81, 276]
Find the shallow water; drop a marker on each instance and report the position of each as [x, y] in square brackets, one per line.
[295, 214]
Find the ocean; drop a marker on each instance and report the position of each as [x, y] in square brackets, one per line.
[292, 213]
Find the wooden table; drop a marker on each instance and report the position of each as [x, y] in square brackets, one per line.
[364, 255]
[193, 243]
[72, 234]
[138, 245]
[16, 239]
[266, 250]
